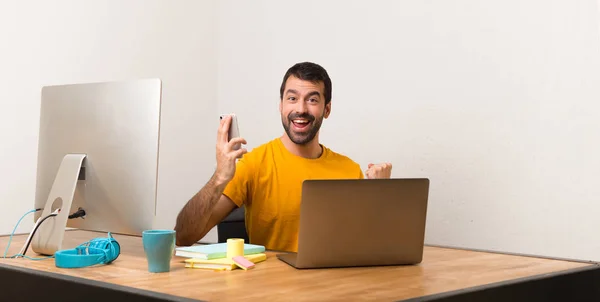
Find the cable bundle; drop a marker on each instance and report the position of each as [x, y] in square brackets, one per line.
[80, 213]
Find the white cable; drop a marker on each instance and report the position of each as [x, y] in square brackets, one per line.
[28, 237]
[27, 242]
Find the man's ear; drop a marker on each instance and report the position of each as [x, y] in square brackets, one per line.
[327, 110]
[280, 105]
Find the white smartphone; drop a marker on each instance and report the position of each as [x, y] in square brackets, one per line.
[234, 130]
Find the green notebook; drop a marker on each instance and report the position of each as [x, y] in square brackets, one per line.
[214, 251]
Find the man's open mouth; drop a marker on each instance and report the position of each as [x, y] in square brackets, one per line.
[300, 123]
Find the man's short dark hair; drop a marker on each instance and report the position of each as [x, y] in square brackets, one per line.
[308, 71]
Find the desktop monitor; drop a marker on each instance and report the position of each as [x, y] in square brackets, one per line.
[98, 151]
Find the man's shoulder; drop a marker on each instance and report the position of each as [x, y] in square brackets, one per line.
[258, 153]
[342, 158]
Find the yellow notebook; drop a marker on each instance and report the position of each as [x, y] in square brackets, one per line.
[222, 263]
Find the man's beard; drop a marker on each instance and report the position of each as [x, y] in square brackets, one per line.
[304, 137]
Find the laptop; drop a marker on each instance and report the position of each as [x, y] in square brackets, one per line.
[360, 222]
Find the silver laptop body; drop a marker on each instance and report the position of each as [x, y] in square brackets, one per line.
[361, 222]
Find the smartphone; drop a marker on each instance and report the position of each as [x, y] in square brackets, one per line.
[234, 130]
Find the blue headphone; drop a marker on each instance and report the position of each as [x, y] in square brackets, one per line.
[95, 251]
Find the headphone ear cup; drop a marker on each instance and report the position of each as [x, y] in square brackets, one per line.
[117, 248]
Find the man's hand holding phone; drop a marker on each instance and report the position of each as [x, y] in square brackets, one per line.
[227, 153]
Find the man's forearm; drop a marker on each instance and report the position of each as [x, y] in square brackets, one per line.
[191, 221]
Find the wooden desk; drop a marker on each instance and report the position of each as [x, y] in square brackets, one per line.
[442, 270]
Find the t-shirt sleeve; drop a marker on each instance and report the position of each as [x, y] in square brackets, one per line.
[238, 189]
[360, 173]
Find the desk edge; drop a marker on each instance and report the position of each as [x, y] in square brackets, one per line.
[96, 283]
[509, 282]
[452, 247]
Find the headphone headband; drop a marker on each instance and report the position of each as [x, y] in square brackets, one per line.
[95, 251]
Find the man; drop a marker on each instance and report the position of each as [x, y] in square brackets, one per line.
[268, 180]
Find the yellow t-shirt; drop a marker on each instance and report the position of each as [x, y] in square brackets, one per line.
[268, 181]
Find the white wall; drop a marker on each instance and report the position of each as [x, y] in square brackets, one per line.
[495, 101]
[60, 42]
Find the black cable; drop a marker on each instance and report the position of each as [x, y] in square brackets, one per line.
[35, 229]
[80, 213]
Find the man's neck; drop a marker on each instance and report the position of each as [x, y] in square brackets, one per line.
[311, 150]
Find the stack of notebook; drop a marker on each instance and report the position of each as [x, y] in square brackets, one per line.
[214, 256]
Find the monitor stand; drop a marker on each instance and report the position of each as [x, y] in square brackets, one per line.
[49, 235]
